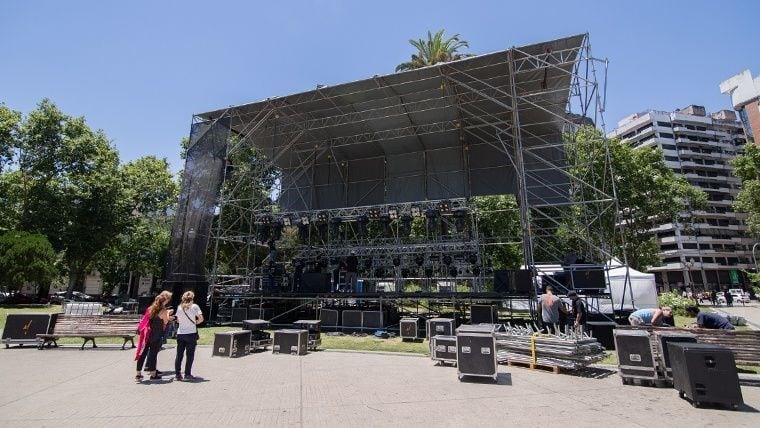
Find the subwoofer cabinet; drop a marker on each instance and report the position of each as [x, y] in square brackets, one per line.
[232, 344]
[662, 338]
[480, 314]
[329, 317]
[314, 327]
[635, 357]
[476, 355]
[443, 349]
[372, 320]
[351, 320]
[439, 326]
[705, 373]
[239, 314]
[290, 341]
[410, 328]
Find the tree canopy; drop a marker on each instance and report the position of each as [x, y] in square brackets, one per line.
[434, 50]
[26, 258]
[747, 168]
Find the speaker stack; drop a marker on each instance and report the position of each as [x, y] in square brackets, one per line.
[705, 373]
[483, 314]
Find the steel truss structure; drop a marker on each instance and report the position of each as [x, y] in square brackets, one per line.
[353, 168]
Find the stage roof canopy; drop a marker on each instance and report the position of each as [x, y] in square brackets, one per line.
[438, 132]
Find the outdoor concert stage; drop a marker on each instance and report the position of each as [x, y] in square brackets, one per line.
[393, 169]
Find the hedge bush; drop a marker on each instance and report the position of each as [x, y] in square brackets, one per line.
[677, 302]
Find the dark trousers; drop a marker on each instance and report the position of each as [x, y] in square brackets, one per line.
[151, 354]
[185, 344]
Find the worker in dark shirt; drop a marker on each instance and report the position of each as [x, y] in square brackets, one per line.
[709, 319]
[579, 312]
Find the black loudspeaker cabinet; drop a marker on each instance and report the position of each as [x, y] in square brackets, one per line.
[443, 349]
[22, 329]
[476, 355]
[290, 341]
[232, 344]
[372, 319]
[705, 373]
[523, 283]
[603, 332]
[329, 317]
[314, 327]
[315, 283]
[239, 314]
[635, 357]
[439, 326]
[662, 338]
[260, 313]
[501, 281]
[255, 325]
[410, 328]
[480, 314]
[352, 320]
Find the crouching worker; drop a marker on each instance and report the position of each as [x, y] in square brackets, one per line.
[653, 317]
[709, 320]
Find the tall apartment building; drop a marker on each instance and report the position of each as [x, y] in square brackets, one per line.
[707, 247]
[745, 97]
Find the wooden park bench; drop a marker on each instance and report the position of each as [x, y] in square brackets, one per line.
[90, 327]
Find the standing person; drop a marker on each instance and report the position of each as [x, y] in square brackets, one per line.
[714, 297]
[650, 316]
[549, 307]
[580, 314]
[151, 329]
[189, 315]
[352, 267]
[729, 297]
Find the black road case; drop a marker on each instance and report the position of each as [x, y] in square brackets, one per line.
[232, 343]
[662, 338]
[439, 326]
[410, 328]
[636, 360]
[22, 329]
[443, 349]
[476, 355]
[260, 339]
[314, 327]
[705, 373]
[290, 341]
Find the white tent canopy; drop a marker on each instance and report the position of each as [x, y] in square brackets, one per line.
[642, 292]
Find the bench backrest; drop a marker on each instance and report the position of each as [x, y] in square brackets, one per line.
[79, 308]
[83, 324]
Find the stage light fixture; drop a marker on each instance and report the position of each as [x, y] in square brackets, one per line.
[444, 206]
[305, 220]
[416, 212]
[287, 220]
[419, 260]
[428, 272]
[266, 219]
[476, 271]
[393, 213]
[453, 271]
[322, 217]
[447, 259]
[374, 213]
[473, 258]
[397, 261]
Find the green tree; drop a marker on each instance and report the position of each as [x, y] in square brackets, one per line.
[747, 168]
[26, 258]
[10, 121]
[649, 194]
[434, 50]
[72, 191]
[498, 222]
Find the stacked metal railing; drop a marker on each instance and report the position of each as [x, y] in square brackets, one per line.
[568, 350]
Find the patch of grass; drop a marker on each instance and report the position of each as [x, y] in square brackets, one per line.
[372, 343]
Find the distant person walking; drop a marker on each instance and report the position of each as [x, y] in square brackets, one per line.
[151, 331]
[189, 315]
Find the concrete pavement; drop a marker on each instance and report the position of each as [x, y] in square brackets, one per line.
[95, 387]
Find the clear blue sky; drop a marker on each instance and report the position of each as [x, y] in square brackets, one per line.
[139, 70]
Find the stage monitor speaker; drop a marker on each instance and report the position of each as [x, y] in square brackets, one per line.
[440, 326]
[410, 328]
[523, 282]
[705, 373]
[315, 283]
[290, 341]
[22, 329]
[602, 331]
[260, 313]
[239, 314]
[588, 279]
[351, 319]
[372, 319]
[484, 314]
[501, 281]
[232, 344]
[329, 317]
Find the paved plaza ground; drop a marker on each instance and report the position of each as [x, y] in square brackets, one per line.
[95, 387]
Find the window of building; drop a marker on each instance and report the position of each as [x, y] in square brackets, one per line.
[689, 246]
[704, 246]
[668, 147]
[666, 124]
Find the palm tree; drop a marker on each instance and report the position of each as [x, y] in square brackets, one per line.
[434, 50]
